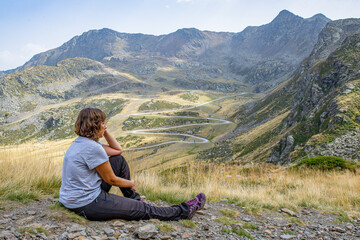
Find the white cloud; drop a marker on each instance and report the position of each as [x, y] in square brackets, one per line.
[14, 59]
[167, 6]
[9, 60]
[31, 48]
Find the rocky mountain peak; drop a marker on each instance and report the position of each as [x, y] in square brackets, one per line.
[189, 32]
[332, 36]
[319, 17]
[285, 16]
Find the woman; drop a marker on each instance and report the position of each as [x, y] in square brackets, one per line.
[88, 175]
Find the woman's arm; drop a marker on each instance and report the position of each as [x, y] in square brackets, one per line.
[114, 147]
[107, 174]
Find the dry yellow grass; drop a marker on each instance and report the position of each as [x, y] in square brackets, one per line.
[28, 171]
[258, 188]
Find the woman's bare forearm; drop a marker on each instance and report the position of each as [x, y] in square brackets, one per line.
[112, 141]
[121, 182]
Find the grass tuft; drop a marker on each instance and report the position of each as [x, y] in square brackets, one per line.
[240, 232]
[23, 196]
[229, 212]
[165, 227]
[226, 220]
[26, 229]
[188, 223]
[247, 225]
[62, 212]
[289, 232]
[296, 221]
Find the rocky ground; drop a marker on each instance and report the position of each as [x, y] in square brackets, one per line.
[44, 219]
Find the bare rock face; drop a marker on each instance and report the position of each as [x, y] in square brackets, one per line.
[315, 107]
[283, 149]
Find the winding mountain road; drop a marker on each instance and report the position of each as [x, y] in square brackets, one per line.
[194, 139]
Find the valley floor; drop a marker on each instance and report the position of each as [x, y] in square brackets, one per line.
[45, 219]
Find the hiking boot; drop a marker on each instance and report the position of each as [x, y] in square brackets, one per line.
[196, 203]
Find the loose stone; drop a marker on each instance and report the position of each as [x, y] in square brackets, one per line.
[146, 232]
[109, 231]
[288, 211]
[287, 236]
[339, 229]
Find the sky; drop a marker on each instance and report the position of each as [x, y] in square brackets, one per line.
[29, 27]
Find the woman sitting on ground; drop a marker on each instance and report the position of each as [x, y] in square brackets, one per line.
[88, 174]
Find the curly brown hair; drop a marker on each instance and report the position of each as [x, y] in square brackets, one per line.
[88, 123]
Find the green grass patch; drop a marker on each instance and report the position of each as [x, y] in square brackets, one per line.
[189, 97]
[296, 221]
[268, 206]
[152, 122]
[343, 216]
[56, 195]
[63, 212]
[130, 140]
[32, 231]
[255, 144]
[247, 225]
[57, 206]
[289, 232]
[48, 185]
[221, 152]
[23, 196]
[188, 223]
[187, 113]
[165, 227]
[229, 212]
[157, 105]
[42, 230]
[226, 220]
[326, 163]
[240, 232]
[226, 229]
[26, 229]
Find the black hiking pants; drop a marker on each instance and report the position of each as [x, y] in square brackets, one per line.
[110, 206]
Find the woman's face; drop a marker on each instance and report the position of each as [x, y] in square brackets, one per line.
[102, 130]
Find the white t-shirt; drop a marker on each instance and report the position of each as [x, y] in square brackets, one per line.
[80, 181]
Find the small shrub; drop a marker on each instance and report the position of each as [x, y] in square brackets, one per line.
[229, 213]
[325, 163]
[188, 223]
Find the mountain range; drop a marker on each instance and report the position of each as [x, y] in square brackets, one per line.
[257, 54]
[304, 65]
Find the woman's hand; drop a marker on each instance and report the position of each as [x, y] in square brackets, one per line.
[133, 187]
[114, 147]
